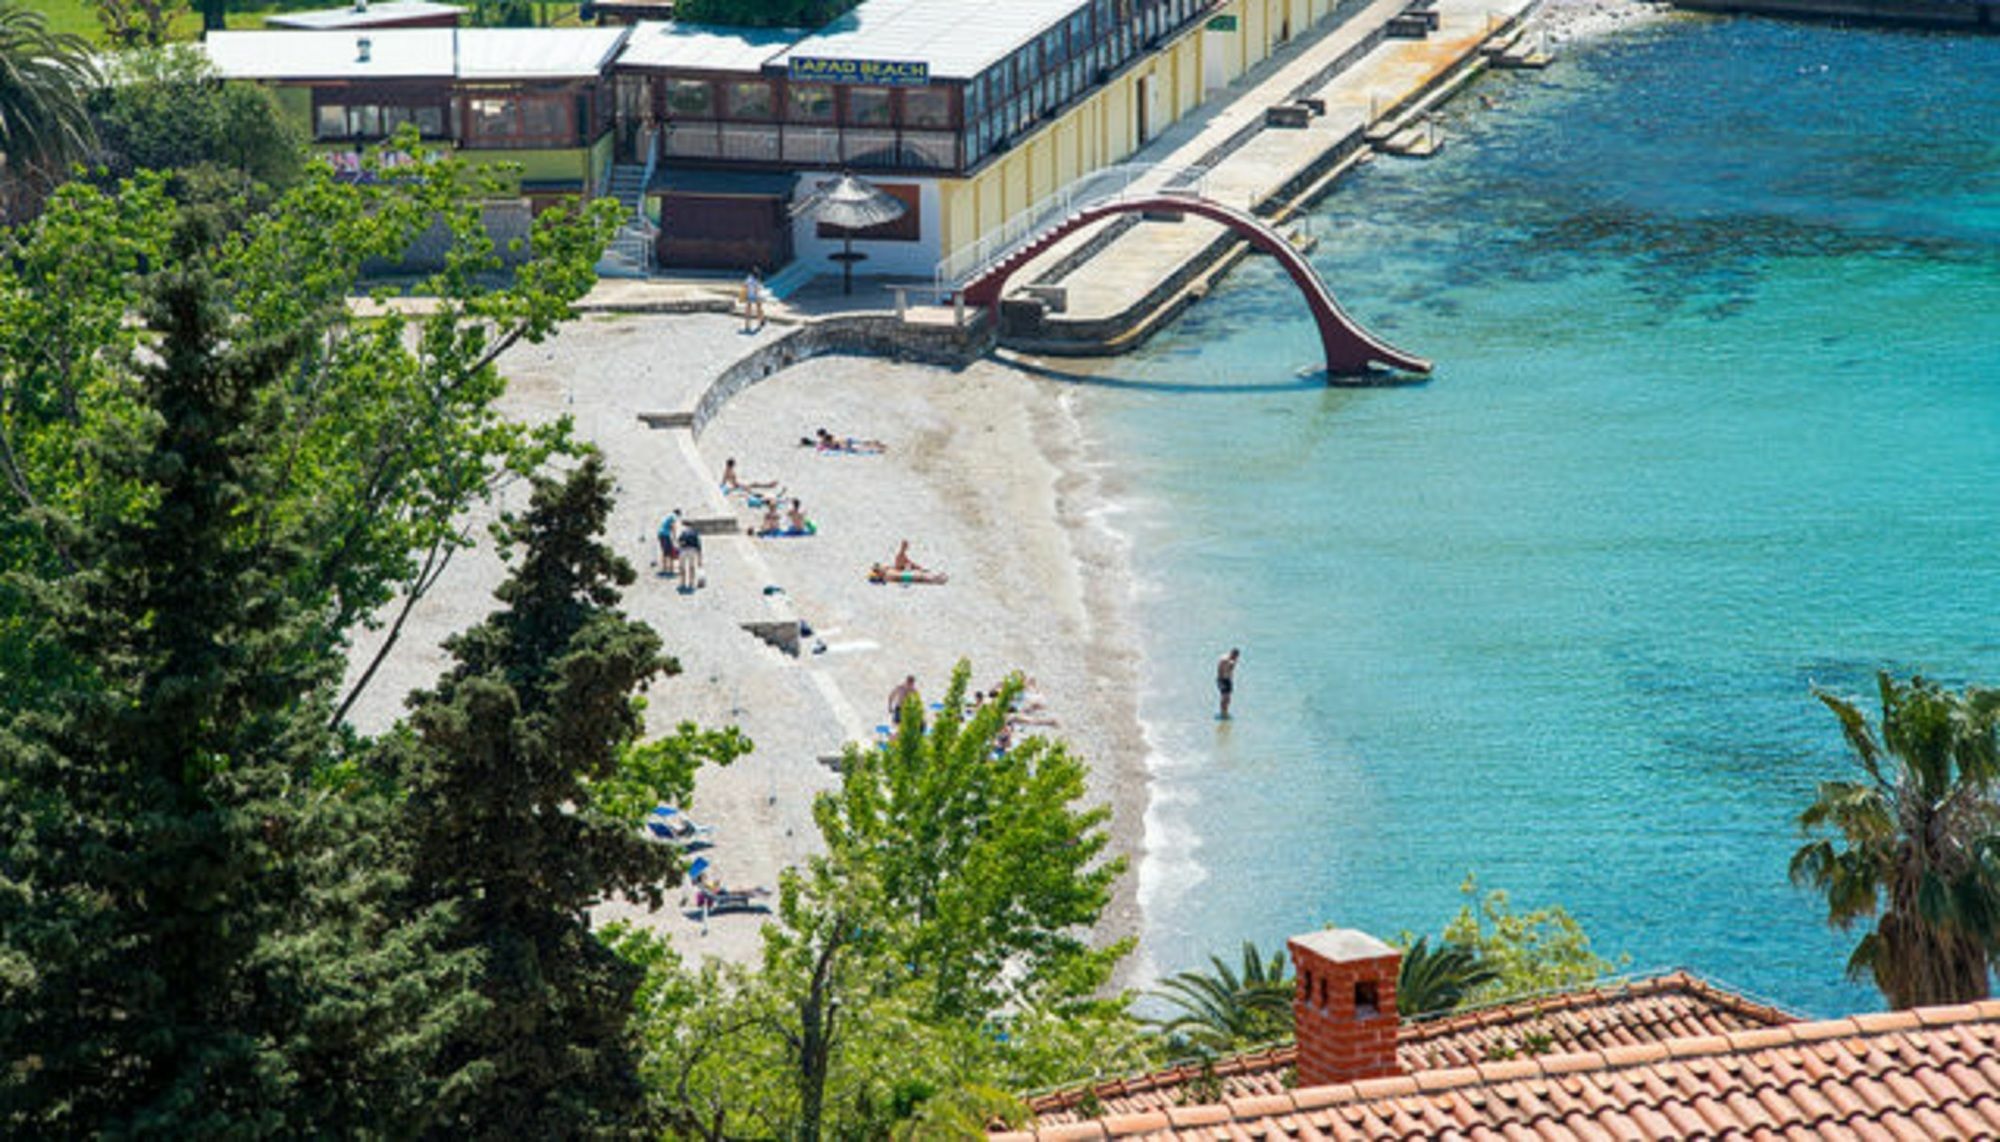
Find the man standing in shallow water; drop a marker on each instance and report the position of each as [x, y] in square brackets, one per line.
[1225, 679]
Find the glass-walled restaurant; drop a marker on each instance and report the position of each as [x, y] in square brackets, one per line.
[935, 122]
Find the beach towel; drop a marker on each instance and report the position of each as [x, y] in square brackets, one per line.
[810, 529]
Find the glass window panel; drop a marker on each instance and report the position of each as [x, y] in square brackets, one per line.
[749, 100]
[365, 120]
[810, 103]
[868, 106]
[332, 122]
[544, 119]
[927, 107]
[430, 121]
[692, 98]
[492, 117]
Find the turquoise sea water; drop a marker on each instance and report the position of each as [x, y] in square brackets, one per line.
[1716, 311]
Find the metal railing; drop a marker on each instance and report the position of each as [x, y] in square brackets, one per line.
[1003, 241]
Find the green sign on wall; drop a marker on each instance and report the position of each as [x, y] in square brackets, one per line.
[1222, 23]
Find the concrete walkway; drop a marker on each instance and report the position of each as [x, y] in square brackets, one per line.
[1147, 256]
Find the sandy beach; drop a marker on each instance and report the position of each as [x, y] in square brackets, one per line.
[984, 475]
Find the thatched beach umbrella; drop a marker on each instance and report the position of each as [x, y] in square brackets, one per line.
[852, 204]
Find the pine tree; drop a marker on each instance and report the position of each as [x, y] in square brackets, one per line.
[505, 752]
[166, 850]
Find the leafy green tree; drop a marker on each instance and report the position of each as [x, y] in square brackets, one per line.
[146, 23]
[1918, 841]
[1222, 1009]
[209, 474]
[984, 850]
[765, 13]
[166, 109]
[193, 943]
[932, 957]
[387, 424]
[1528, 952]
[1433, 981]
[538, 705]
[44, 125]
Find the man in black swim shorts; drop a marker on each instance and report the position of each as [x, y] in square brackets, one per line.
[1225, 679]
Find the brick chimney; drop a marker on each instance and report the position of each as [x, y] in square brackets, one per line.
[1344, 1006]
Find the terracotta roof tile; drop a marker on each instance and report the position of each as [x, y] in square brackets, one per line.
[1925, 1074]
[1625, 1015]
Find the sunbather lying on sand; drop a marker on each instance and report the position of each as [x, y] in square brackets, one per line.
[825, 441]
[732, 484]
[881, 574]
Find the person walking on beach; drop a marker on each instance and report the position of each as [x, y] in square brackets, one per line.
[690, 547]
[1225, 680]
[904, 691]
[753, 302]
[669, 554]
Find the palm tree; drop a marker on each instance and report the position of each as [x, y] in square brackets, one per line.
[1433, 981]
[1221, 1009]
[44, 79]
[1917, 843]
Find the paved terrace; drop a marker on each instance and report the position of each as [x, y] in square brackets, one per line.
[1121, 283]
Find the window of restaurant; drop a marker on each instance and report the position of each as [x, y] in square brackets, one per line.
[750, 100]
[809, 103]
[927, 108]
[867, 107]
[520, 121]
[691, 98]
[371, 121]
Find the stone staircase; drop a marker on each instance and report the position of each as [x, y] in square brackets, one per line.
[629, 254]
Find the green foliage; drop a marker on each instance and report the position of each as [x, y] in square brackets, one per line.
[930, 960]
[537, 706]
[387, 426]
[44, 125]
[142, 23]
[208, 475]
[983, 852]
[662, 771]
[198, 943]
[764, 13]
[1918, 841]
[1528, 952]
[1433, 981]
[165, 109]
[1224, 1010]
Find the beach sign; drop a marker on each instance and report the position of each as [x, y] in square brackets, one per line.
[880, 72]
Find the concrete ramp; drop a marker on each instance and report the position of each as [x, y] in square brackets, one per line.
[1350, 349]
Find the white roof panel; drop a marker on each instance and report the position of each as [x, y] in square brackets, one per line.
[356, 17]
[957, 38]
[416, 53]
[537, 53]
[400, 53]
[658, 43]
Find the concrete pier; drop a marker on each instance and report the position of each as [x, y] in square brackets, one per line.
[1122, 279]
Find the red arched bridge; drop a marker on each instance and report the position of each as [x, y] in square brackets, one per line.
[1350, 349]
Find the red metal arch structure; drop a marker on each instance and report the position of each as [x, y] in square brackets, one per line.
[1350, 349]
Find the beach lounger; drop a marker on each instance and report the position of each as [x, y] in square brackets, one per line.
[669, 825]
[712, 896]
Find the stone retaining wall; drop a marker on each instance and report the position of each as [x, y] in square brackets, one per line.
[860, 335]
